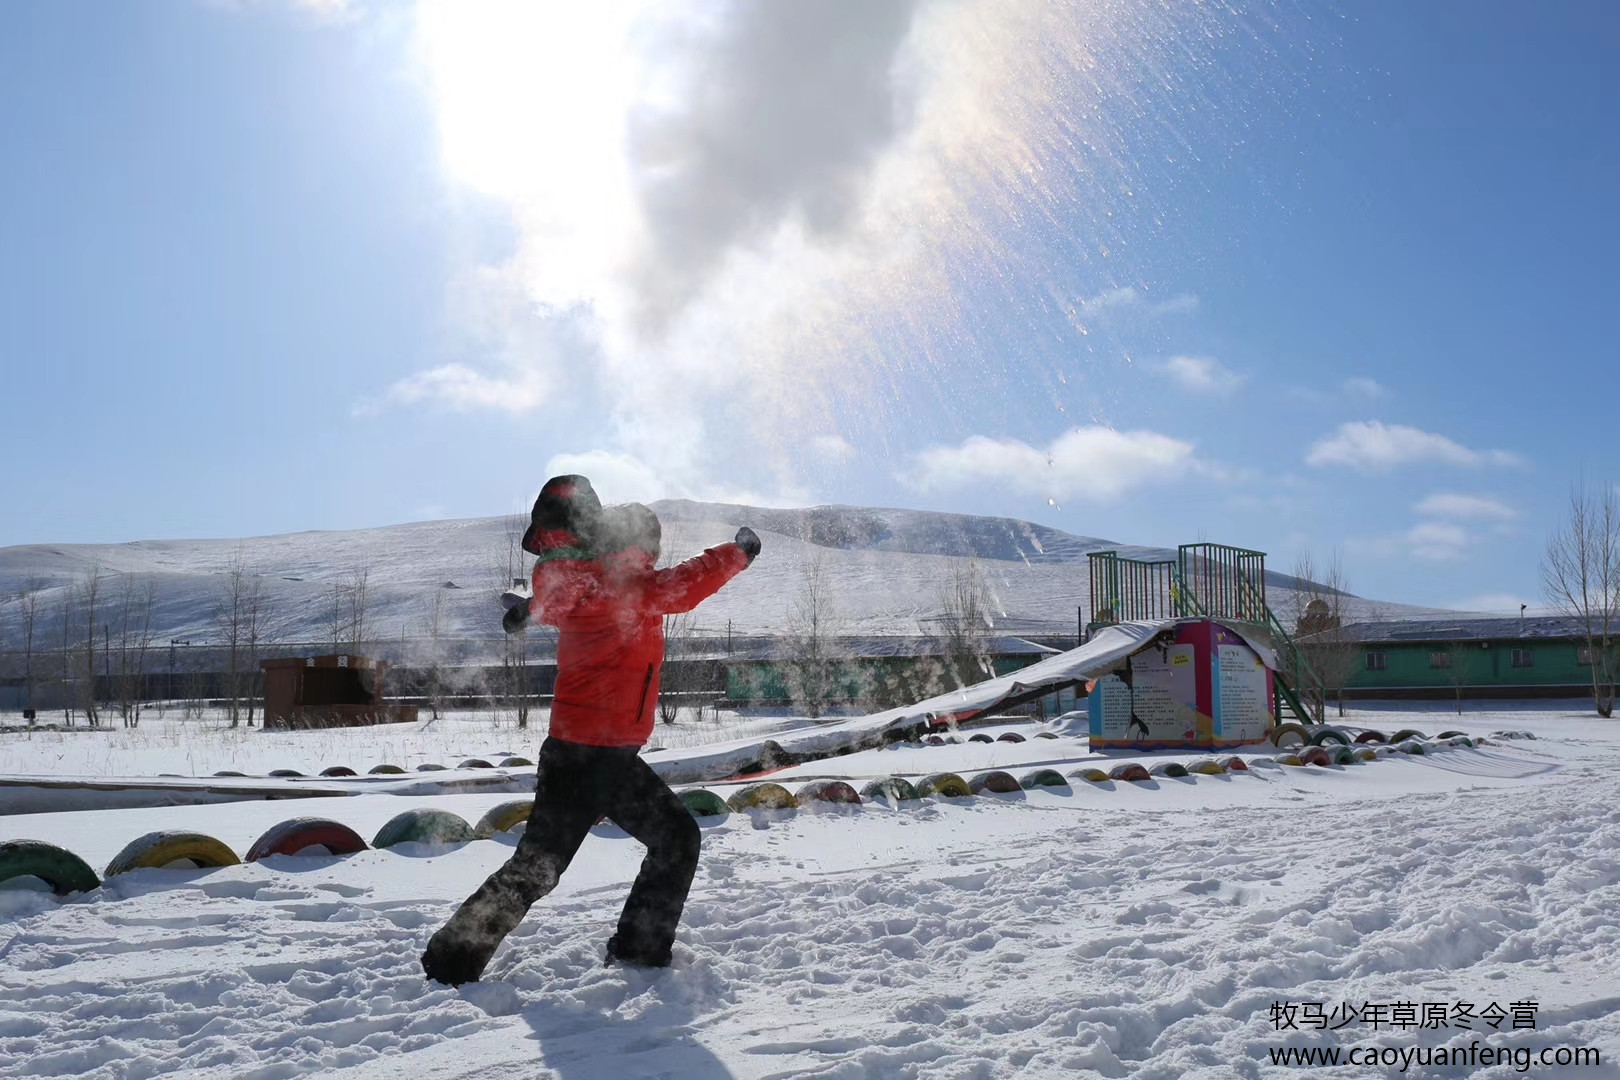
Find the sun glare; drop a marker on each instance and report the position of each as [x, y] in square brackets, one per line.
[532, 101]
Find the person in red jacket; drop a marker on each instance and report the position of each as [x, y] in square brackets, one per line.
[595, 582]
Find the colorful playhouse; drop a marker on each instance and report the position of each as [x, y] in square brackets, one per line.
[1210, 678]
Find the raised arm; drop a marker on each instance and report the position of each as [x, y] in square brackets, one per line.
[683, 587]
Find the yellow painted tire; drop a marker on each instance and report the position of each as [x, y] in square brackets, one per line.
[1288, 759]
[1295, 734]
[503, 817]
[945, 784]
[1091, 776]
[1207, 767]
[765, 796]
[158, 849]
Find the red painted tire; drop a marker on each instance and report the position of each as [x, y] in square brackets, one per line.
[1315, 755]
[338, 770]
[386, 770]
[1009, 736]
[291, 837]
[1130, 770]
[994, 782]
[1233, 763]
[828, 791]
[475, 763]
[1370, 736]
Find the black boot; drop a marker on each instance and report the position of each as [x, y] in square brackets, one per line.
[454, 961]
[626, 953]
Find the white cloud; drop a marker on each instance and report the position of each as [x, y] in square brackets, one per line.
[1465, 507]
[1097, 462]
[1128, 299]
[463, 389]
[1365, 388]
[1375, 446]
[1438, 540]
[1203, 375]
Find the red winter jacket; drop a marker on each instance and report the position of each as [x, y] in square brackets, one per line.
[609, 614]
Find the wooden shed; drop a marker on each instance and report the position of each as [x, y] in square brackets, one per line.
[328, 691]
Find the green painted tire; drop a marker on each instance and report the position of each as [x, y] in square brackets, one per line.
[229, 772]
[475, 763]
[945, 784]
[1294, 733]
[503, 816]
[994, 782]
[828, 791]
[980, 737]
[337, 770]
[1173, 769]
[1405, 734]
[1091, 776]
[1323, 736]
[1465, 741]
[291, 837]
[423, 826]
[516, 763]
[1452, 735]
[765, 796]
[1371, 736]
[1046, 735]
[890, 789]
[1009, 736]
[1130, 770]
[386, 770]
[701, 803]
[1207, 767]
[284, 772]
[1342, 755]
[1411, 746]
[57, 867]
[156, 850]
[1042, 778]
[429, 766]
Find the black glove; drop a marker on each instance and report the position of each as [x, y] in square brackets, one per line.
[748, 540]
[515, 618]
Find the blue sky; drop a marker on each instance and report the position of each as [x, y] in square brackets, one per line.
[1282, 278]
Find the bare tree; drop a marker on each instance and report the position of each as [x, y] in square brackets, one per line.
[508, 570]
[346, 617]
[28, 599]
[1322, 646]
[65, 659]
[239, 622]
[678, 679]
[1580, 577]
[965, 624]
[90, 595]
[813, 627]
[134, 622]
[436, 623]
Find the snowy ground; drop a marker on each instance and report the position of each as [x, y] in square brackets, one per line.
[1121, 930]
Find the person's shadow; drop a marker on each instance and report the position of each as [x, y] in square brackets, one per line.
[581, 1041]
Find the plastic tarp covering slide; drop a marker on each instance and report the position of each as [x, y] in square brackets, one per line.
[1106, 651]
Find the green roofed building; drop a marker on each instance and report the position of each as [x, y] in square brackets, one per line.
[1539, 656]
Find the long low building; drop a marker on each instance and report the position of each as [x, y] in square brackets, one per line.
[1501, 657]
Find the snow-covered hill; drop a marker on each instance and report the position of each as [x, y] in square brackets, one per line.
[887, 568]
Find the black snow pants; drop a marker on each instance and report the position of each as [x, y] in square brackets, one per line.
[575, 786]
